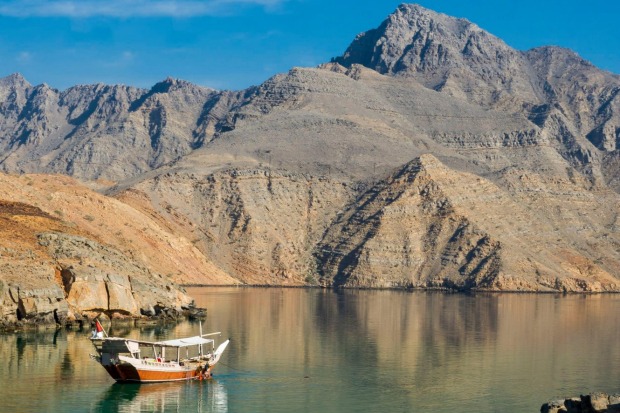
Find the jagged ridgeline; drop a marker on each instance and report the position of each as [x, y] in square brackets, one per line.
[430, 154]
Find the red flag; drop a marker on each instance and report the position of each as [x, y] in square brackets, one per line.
[98, 326]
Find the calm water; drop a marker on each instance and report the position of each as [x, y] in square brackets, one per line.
[295, 350]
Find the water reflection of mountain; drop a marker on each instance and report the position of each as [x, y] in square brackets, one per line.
[418, 348]
[209, 396]
[298, 350]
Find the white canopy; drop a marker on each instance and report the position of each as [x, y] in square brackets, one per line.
[184, 342]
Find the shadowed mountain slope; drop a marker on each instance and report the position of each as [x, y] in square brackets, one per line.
[429, 226]
[99, 131]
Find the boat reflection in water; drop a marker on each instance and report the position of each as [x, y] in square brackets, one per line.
[205, 396]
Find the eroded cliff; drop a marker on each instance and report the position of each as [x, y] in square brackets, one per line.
[429, 226]
[66, 250]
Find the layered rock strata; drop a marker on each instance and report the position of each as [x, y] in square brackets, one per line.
[432, 227]
[258, 225]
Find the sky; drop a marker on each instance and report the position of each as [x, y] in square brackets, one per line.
[233, 44]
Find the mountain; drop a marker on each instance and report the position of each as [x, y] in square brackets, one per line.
[566, 96]
[429, 155]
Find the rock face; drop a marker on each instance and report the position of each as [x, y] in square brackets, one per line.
[445, 54]
[100, 278]
[429, 155]
[66, 250]
[590, 403]
[99, 131]
[428, 226]
[405, 232]
[259, 225]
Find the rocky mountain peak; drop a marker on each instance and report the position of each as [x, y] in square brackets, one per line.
[414, 39]
[13, 85]
[171, 84]
[164, 86]
[416, 15]
[443, 53]
[555, 57]
[14, 80]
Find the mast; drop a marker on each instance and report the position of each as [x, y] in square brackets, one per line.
[200, 345]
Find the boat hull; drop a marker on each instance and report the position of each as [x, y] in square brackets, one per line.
[127, 373]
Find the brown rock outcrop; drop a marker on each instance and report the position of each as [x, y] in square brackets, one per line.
[590, 403]
[65, 249]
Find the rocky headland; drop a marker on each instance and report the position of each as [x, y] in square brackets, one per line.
[429, 155]
[70, 254]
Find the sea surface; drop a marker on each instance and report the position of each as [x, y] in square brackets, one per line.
[310, 350]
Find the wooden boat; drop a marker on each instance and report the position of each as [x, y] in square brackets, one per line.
[129, 360]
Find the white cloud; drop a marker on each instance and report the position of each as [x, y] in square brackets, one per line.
[122, 60]
[24, 57]
[126, 8]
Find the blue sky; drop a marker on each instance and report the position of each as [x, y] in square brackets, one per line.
[232, 44]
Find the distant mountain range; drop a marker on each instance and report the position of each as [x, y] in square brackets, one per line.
[429, 155]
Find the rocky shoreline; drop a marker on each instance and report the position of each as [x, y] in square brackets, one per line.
[591, 403]
[48, 308]
[152, 315]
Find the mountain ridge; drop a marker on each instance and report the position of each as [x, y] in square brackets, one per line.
[429, 155]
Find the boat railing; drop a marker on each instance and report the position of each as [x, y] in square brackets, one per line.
[153, 363]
